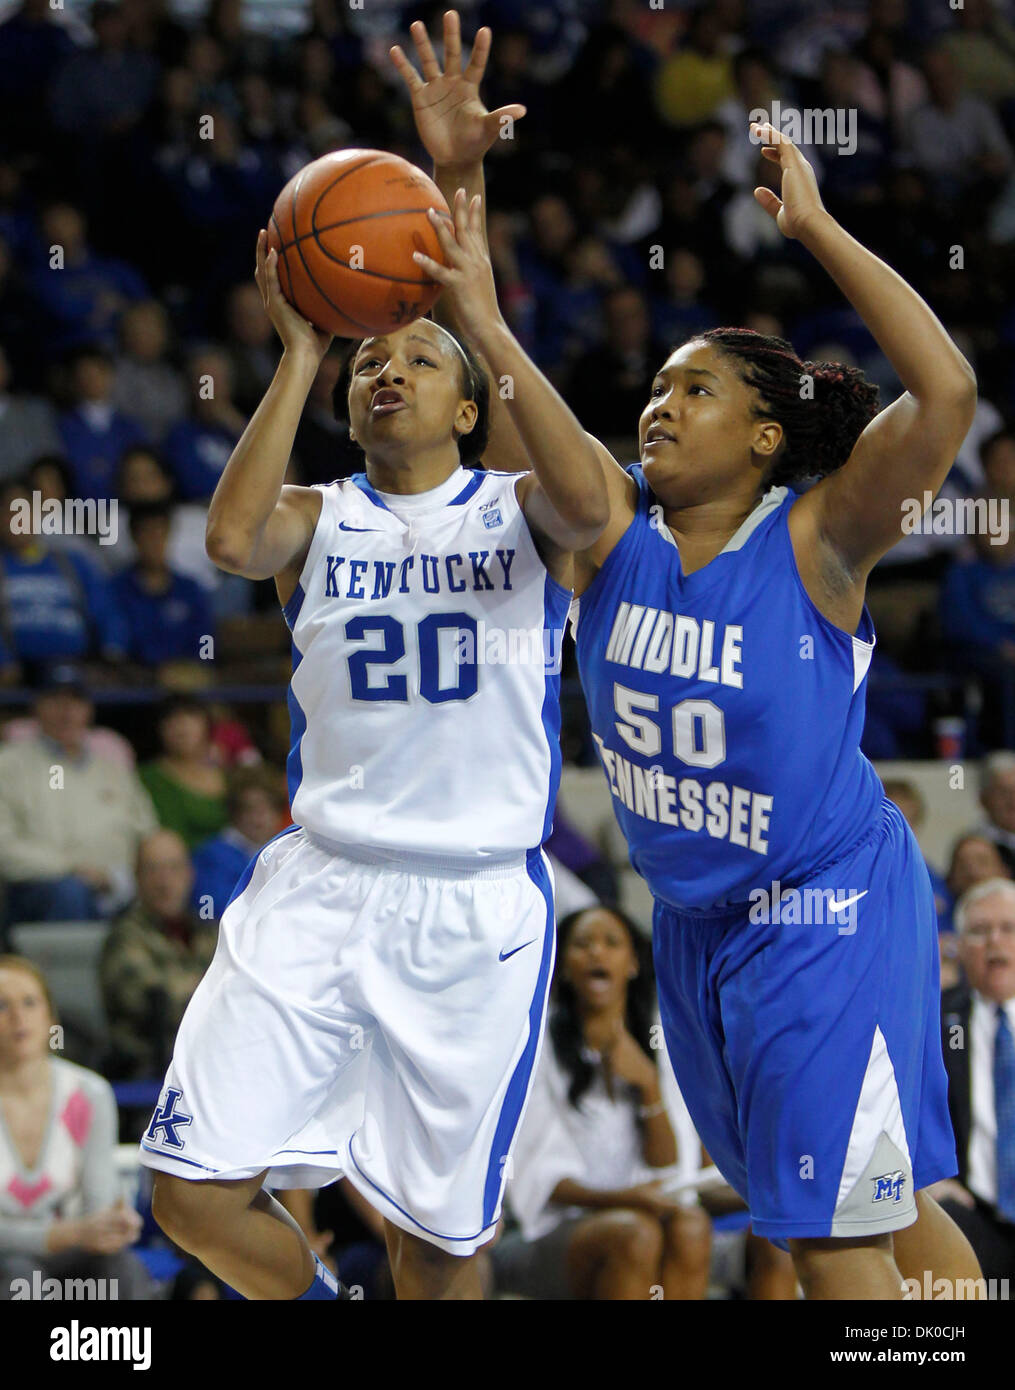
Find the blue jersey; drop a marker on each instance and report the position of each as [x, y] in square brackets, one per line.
[726, 708]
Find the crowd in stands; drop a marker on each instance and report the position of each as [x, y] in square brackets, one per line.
[139, 156]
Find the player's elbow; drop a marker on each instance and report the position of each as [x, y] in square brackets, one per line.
[227, 550]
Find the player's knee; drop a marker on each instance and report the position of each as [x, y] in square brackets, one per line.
[633, 1238]
[184, 1210]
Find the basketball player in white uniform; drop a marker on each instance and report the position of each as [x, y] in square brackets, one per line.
[376, 1003]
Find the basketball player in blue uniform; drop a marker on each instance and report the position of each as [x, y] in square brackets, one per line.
[724, 643]
[376, 1003]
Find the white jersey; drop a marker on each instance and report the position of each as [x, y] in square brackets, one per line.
[425, 691]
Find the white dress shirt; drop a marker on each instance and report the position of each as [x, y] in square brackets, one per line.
[981, 1173]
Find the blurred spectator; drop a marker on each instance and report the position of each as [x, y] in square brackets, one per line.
[756, 88]
[146, 386]
[887, 87]
[594, 1224]
[692, 83]
[681, 312]
[977, 610]
[33, 44]
[609, 385]
[168, 615]
[144, 477]
[70, 818]
[104, 90]
[93, 431]
[199, 447]
[82, 295]
[61, 1216]
[27, 425]
[257, 808]
[974, 860]
[955, 138]
[153, 959]
[252, 345]
[979, 1052]
[53, 602]
[997, 797]
[982, 48]
[51, 477]
[186, 786]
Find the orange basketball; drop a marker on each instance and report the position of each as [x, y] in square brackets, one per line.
[345, 228]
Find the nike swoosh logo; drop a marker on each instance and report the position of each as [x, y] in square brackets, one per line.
[344, 526]
[514, 951]
[847, 902]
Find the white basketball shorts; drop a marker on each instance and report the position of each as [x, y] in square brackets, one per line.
[376, 1020]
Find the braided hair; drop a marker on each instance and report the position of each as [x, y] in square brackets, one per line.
[820, 424]
[475, 387]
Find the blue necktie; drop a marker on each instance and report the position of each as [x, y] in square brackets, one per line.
[1004, 1105]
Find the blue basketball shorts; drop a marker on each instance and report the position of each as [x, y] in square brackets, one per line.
[804, 1031]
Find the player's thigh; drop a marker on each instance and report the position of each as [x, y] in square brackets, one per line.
[185, 1206]
[458, 993]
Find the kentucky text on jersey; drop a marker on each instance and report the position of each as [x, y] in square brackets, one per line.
[477, 570]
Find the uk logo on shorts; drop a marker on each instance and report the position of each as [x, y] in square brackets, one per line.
[888, 1187]
[167, 1119]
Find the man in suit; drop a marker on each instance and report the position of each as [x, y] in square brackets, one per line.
[978, 1019]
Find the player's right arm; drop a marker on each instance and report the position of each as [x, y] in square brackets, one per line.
[257, 526]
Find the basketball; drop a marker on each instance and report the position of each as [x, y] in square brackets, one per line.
[345, 228]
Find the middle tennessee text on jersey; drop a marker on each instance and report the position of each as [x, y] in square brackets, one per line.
[425, 691]
[727, 710]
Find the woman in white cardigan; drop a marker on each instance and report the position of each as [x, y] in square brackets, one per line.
[584, 1184]
[59, 1213]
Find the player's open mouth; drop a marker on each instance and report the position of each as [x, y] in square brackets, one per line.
[386, 403]
[658, 436]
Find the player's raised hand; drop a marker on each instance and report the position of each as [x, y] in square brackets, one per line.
[800, 199]
[467, 277]
[452, 122]
[296, 332]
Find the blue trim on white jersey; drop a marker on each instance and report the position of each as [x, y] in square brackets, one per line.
[248, 872]
[518, 1087]
[471, 487]
[408, 1214]
[556, 605]
[291, 610]
[177, 1159]
[298, 724]
[364, 485]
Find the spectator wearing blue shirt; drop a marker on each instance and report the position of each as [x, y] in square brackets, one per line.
[257, 806]
[82, 295]
[53, 604]
[95, 434]
[199, 447]
[168, 614]
[977, 600]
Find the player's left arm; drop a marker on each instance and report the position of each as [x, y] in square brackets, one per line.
[457, 130]
[564, 498]
[856, 513]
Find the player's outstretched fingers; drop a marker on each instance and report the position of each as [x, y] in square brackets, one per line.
[452, 44]
[424, 49]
